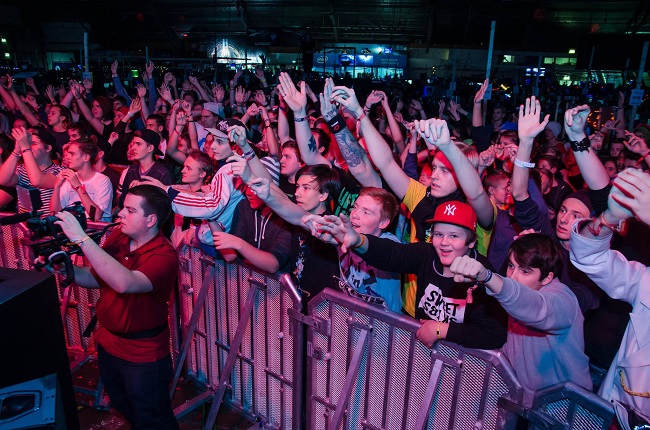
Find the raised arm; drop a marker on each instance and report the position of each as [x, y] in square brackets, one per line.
[271, 141]
[590, 166]
[297, 101]
[98, 125]
[278, 201]
[435, 132]
[477, 111]
[353, 153]
[117, 83]
[24, 143]
[529, 126]
[22, 107]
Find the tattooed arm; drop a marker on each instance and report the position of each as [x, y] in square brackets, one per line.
[354, 154]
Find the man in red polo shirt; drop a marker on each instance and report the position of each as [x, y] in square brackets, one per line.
[136, 271]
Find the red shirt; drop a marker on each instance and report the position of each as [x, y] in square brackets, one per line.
[129, 313]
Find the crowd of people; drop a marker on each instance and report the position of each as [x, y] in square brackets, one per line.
[495, 231]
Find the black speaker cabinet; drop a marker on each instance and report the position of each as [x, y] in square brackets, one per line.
[33, 353]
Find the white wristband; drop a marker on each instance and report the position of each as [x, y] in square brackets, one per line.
[524, 164]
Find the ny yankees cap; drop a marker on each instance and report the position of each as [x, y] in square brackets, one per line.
[455, 212]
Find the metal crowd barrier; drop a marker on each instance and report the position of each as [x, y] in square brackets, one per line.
[367, 371]
[239, 340]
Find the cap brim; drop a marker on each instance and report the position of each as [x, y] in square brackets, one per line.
[217, 133]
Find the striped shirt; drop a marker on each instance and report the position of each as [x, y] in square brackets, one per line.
[24, 182]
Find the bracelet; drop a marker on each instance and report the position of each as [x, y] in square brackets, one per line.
[267, 122]
[597, 224]
[487, 278]
[524, 164]
[248, 156]
[80, 241]
[296, 119]
[366, 109]
[337, 123]
[82, 186]
[581, 146]
[16, 154]
[438, 330]
[362, 116]
[363, 240]
[283, 109]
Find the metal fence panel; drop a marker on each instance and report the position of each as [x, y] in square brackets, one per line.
[395, 378]
[262, 382]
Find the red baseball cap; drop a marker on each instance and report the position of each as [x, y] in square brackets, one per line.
[455, 212]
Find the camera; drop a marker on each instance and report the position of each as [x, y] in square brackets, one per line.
[45, 225]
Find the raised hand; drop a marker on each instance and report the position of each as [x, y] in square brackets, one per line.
[237, 134]
[240, 95]
[635, 143]
[22, 137]
[373, 98]
[434, 131]
[631, 191]
[218, 93]
[327, 108]
[467, 269]
[415, 105]
[295, 99]
[252, 110]
[575, 120]
[529, 125]
[347, 97]
[487, 157]
[480, 94]
[142, 90]
[239, 167]
[259, 74]
[165, 92]
[114, 68]
[261, 187]
[340, 228]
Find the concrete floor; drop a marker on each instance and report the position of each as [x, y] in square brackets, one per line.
[93, 416]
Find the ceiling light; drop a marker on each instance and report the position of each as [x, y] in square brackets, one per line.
[572, 51]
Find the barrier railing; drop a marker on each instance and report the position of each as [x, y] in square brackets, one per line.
[238, 335]
[366, 370]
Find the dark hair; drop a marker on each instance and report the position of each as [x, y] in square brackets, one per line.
[121, 99]
[64, 112]
[509, 134]
[327, 179]
[82, 127]
[555, 163]
[387, 201]
[154, 201]
[322, 139]
[538, 251]
[7, 144]
[106, 105]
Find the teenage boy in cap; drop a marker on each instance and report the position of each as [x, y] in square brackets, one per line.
[142, 150]
[545, 334]
[461, 312]
[258, 235]
[225, 192]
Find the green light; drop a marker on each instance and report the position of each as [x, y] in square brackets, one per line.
[135, 73]
[7, 55]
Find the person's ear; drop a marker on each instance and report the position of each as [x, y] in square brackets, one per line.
[152, 220]
[490, 191]
[472, 244]
[548, 279]
[323, 196]
[384, 223]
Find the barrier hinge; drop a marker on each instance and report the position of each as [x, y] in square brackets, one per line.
[321, 325]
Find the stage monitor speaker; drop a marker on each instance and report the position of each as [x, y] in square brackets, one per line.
[34, 353]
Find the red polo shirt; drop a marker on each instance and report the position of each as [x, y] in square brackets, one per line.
[129, 313]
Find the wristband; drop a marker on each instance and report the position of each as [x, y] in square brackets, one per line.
[283, 109]
[438, 330]
[267, 122]
[596, 226]
[337, 123]
[487, 278]
[80, 241]
[581, 146]
[80, 186]
[524, 164]
[16, 154]
[362, 116]
[363, 240]
[296, 119]
[248, 156]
